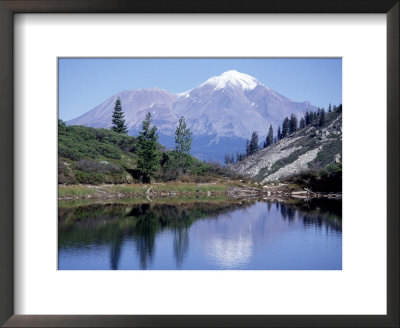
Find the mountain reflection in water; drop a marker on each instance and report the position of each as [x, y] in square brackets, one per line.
[257, 235]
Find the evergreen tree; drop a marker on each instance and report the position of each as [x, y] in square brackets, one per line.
[308, 117]
[247, 147]
[118, 121]
[269, 140]
[302, 123]
[314, 116]
[183, 138]
[293, 124]
[253, 143]
[239, 157]
[329, 108]
[227, 159]
[279, 134]
[183, 144]
[147, 150]
[322, 118]
[285, 127]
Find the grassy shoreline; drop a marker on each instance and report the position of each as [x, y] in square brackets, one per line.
[227, 189]
[144, 190]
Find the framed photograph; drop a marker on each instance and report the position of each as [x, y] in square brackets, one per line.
[209, 169]
[181, 164]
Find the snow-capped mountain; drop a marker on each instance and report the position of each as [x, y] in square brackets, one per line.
[222, 112]
[234, 104]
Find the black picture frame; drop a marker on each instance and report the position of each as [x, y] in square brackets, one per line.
[10, 7]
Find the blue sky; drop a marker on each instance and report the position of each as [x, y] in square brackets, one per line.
[86, 82]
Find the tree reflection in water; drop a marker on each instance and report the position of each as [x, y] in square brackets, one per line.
[114, 224]
[116, 251]
[181, 245]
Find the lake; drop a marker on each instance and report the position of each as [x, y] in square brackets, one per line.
[201, 234]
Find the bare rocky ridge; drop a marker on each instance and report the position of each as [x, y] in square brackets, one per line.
[299, 165]
[311, 148]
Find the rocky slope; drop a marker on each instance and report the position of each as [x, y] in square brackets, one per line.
[311, 148]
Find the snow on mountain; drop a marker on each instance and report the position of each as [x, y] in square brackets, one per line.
[222, 112]
[234, 104]
[233, 78]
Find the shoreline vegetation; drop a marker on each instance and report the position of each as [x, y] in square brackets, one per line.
[180, 189]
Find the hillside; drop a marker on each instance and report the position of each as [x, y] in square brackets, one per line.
[311, 149]
[93, 156]
[100, 156]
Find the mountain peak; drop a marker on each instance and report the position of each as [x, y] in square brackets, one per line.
[214, 112]
[233, 78]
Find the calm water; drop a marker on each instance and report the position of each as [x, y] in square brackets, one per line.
[212, 235]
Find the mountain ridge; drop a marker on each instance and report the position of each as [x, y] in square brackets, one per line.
[230, 105]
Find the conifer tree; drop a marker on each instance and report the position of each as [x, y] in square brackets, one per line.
[302, 123]
[183, 138]
[329, 108]
[247, 147]
[314, 116]
[285, 127]
[227, 159]
[279, 134]
[147, 150]
[293, 124]
[269, 140]
[118, 121]
[322, 118]
[308, 117]
[253, 143]
[183, 144]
